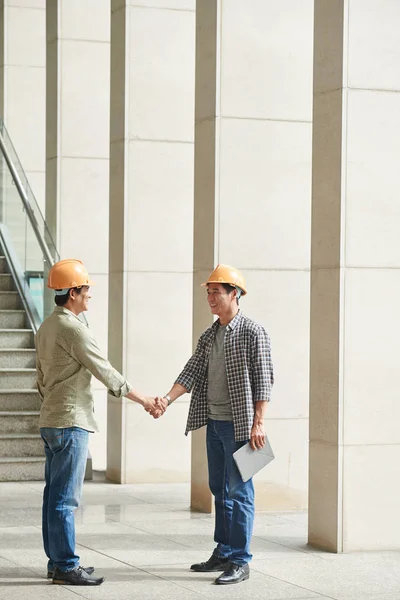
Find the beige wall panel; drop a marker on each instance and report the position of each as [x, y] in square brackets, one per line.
[98, 312]
[161, 74]
[25, 46]
[373, 184]
[27, 3]
[325, 357]
[98, 441]
[166, 4]
[374, 44]
[280, 301]
[371, 497]
[158, 449]
[85, 131]
[159, 323]
[265, 194]
[85, 20]
[326, 179]
[116, 448]
[329, 23]
[25, 115]
[84, 211]
[267, 59]
[161, 190]
[283, 483]
[324, 504]
[372, 350]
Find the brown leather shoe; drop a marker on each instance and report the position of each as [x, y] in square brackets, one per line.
[214, 563]
[77, 576]
[234, 574]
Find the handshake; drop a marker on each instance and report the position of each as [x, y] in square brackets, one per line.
[155, 406]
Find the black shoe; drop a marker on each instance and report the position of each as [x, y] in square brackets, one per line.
[77, 576]
[234, 574]
[214, 563]
[89, 571]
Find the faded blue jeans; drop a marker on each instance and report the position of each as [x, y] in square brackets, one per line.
[66, 453]
[234, 500]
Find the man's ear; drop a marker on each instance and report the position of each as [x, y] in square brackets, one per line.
[72, 294]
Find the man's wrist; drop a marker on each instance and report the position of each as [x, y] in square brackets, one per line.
[168, 399]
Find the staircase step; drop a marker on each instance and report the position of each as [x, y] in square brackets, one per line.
[16, 338]
[12, 319]
[3, 265]
[19, 400]
[22, 468]
[10, 300]
[19, 421]
[6, 282]
[22, 358]
[15, 444]
[17, 379]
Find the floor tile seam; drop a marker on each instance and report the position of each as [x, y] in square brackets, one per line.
[154, 534]
[294, 584]
[306, 552]
[138, 568]
[29, 487]
[38, 575]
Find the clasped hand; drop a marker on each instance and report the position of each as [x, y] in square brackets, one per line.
[155, 406]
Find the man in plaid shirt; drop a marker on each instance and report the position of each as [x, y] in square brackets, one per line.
[230, 376]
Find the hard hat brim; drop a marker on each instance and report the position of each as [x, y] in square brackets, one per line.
[244, 292]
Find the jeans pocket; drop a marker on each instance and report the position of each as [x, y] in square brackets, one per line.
[54, 438]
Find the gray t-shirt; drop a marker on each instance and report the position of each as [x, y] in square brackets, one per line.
[219, 402]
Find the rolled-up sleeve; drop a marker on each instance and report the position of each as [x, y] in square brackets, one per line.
[262, 367]
[86, 351]
[188, 375]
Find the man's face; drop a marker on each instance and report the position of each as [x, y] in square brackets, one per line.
[219, 300]
[82, 299]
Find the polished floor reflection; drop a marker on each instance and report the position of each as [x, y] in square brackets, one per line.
[143, 539]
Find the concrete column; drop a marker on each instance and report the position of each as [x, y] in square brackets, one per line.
[22, 85]
[77, 155]
[355, 291]
[253, 205]
[151, 231]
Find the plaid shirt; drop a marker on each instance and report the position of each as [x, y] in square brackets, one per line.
[248, 367]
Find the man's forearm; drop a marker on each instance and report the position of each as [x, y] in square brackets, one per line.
[176, 391]
[260, 408]
[136, 397]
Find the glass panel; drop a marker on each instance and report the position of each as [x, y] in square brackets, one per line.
[23, 224]
[28, 257]
[43, 229]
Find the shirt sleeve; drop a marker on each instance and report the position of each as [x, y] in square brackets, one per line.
[188, 376]
[39, 377]
[86, 351]
[262, 367]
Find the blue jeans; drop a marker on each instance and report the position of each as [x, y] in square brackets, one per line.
[234, 500]
[66, 453]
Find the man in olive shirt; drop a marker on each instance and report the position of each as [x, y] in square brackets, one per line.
[66, 358]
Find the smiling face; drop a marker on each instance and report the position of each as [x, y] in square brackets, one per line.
[222, 303]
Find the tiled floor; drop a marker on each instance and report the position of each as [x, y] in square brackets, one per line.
[143, 539]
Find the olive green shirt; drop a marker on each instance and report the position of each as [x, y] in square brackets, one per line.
[67, 356]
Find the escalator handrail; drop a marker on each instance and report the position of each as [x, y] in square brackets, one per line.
[27, 206]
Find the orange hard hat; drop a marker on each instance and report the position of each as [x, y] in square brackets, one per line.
[227, 274]
[67, 274]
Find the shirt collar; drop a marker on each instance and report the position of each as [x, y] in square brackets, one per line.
[65, 311]
[232, 324]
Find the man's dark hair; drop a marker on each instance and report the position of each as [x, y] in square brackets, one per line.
[62, 300]
[229, 288]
